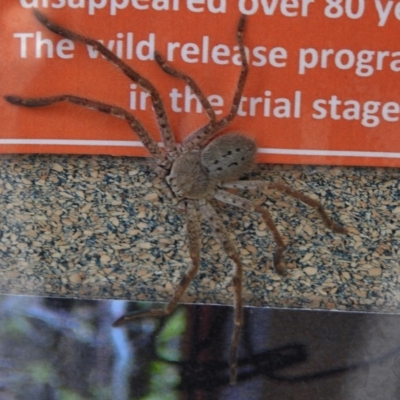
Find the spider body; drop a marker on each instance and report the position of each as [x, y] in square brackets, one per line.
[196, 172]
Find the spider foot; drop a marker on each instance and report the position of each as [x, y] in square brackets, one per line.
[138, 315]
[18, 101]
[338, 228]
[35, 102]
[279, 268]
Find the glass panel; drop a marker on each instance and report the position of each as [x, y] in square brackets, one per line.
[52, 348]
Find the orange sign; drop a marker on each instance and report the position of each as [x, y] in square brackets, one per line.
[323, 86]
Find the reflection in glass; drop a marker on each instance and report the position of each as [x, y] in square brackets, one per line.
[66, 349]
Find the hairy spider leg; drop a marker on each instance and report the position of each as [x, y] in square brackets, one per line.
[133, 122]
[190, 82]
[248, 205]
[193, 233]
[335, 227]
[206, 133]
[222, 236]
[158, 105]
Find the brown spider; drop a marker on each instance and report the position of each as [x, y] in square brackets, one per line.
[196, 172]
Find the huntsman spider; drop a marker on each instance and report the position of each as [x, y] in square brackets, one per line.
[196, 172]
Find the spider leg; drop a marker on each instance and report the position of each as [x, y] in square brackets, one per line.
[205, 133]
[134, 123]
[193, 232]
[335, 227]
[222, 236]
[241, 202]
[158, 105]
[190, 82]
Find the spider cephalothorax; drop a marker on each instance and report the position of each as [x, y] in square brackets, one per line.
[196, 172]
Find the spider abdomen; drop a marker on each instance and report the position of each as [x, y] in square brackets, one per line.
[229, 156]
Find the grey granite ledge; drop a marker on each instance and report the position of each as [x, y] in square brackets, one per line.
[102, 227]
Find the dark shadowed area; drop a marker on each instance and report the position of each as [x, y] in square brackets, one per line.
[53, 348]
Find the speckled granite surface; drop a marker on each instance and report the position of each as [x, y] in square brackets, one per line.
[102, 227]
